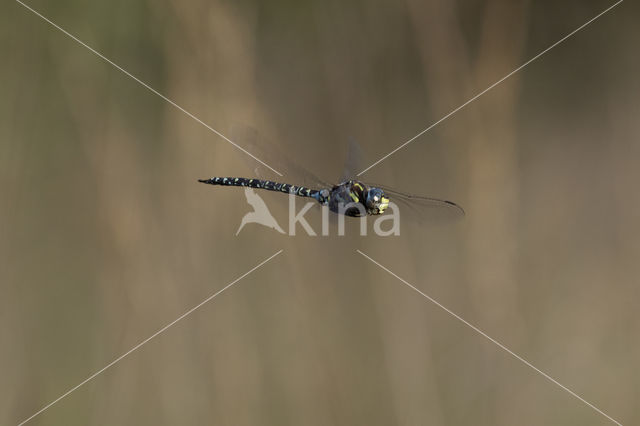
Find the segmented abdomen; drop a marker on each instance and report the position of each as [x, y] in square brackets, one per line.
[270, 185]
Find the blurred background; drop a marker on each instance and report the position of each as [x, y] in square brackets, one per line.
[105, 235]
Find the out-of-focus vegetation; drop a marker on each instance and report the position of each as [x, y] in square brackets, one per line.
[105, 236]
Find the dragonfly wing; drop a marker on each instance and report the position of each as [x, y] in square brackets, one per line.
[422, 208]
[353, 162]
[251, 140]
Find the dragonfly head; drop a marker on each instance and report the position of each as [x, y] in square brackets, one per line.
[376, 201]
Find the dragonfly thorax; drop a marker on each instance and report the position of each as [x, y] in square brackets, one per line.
[353, 198]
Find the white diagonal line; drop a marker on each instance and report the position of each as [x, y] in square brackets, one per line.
[91, 377]
[100, 55]
[492, 86]
[500, 345]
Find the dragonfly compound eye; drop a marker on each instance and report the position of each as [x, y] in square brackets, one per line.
[376, 201]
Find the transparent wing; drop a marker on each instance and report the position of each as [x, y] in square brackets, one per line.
[414, 206]
[251, 140]
[426, 202]
[353, 162]
[423, 208]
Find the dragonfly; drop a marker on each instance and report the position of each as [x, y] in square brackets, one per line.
[350, 197]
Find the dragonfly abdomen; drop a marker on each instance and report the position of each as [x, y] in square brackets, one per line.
[269, 185]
